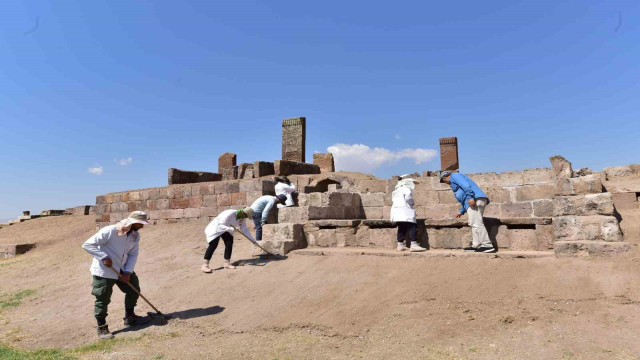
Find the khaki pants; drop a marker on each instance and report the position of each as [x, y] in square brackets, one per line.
[478, 230]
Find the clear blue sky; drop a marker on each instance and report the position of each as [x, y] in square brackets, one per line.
[175, 84]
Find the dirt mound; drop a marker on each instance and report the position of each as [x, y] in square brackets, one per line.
[320, 307]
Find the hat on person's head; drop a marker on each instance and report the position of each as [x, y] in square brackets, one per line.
[139, 217]
[443, 175]
[282, 198]
[248, 212]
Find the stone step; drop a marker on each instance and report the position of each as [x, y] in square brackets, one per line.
[590, 248]
[11, 250]
[434, 253]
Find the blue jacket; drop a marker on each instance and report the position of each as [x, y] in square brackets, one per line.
[465, 189]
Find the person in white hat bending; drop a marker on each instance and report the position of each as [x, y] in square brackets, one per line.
[286, 188]
[404, 215]
[116, 247]
[223, 227]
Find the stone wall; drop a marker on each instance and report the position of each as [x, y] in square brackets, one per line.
[178, 176]
[294, 132]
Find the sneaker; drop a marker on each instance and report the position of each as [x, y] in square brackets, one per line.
[483, 249]
[206, 269]
[135, 320]
[227, 265]
[469, 248]
[416, 248]
[402, 246]
[103, 332]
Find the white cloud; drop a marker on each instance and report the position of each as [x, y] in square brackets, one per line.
[125, 162]
[96, 170]
[359, 157]
[398, 137]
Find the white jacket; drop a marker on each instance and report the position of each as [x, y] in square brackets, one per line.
[224, 222]
[286, 190]
[402, 208]
[122, 250]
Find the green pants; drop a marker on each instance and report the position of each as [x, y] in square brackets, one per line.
[103, 288]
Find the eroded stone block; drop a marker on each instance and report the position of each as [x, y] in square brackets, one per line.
[325, 162]
[561, 167]
[294, 140]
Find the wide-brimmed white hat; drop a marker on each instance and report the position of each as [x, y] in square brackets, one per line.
[139, 217]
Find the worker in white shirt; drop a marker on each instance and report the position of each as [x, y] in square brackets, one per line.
[223, 226]
[116, 247]
[286, 188]
[403, 213]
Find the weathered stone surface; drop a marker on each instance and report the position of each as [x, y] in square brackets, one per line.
[226, 161]
[263, 168]
[294, 140]
[423, 197]
[373, 186]
[245, 171]
[446, 197]
[296, 214]
[589, 184]
[622, 171]
[534, 192]
[627, 200]
[373, 212]
[449, 154]
[510, 178]
[484, 179]
[372, 199]
[283, 168]
[543, 208]
[275, 247]
[177, 176]
[590, 248]
[561, 167]
[55, 212]
[589, 204]
[337, 237]
[325, 162]
[594, 227]
[517, 209]
[449, 237]
[538, 176]
[230, 173]
[496, 194]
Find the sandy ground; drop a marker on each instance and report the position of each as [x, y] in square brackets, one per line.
[323, 307]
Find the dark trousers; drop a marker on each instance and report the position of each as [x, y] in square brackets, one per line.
[103, 288]
[405, 227]
[228, 246]
[257, 221]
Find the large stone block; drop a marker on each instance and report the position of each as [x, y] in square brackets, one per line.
[11, 250]
[446, 197]
[372, 199]
[516, 209]
[510, 178]
[230, 173]
[422, 197]
[373, 186]
[484, 179]
[590, 184]
[622, 171]
[325, 162]
[285, 167]
[534, 192]
[373, 212]
[294, 140]
[594, 227]
[263, 168]
[449, 237]
[188, 202]
[298, 215]
[449, 154]
[627, 200]
[226, 161]
[543, 208]
[497, 194]
[245, 171]
[538, 176]
[283, 232]
[583, 205]
[561, 167]
[177, 176]
[590, 248]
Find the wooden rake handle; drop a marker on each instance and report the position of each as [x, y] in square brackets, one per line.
[253, 242]
[136, 290]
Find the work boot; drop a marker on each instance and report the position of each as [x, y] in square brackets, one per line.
[227, 265]
[416, 248]
[103, 332]
[402, 246]
[135, 320]
[206, 269]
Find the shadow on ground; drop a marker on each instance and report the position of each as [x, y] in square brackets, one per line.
[261, 260]
[158, 320]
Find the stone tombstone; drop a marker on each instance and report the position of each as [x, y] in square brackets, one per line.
[449, 154]
[325, 162]
[226, 166]
[294, 132]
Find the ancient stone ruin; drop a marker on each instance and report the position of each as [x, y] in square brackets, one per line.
[546, 209]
